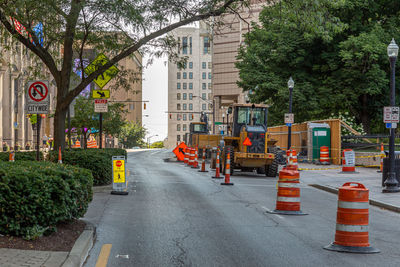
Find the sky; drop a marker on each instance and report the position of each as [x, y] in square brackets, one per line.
[155, 90]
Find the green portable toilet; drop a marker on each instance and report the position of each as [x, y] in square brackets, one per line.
[319, 134]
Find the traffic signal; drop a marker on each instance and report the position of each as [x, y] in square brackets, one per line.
[144, 105]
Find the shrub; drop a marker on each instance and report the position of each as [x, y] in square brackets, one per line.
[35, 196]
[98, 161]
[29, 155]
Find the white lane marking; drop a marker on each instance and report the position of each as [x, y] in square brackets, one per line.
[277, 215]
[122, 256]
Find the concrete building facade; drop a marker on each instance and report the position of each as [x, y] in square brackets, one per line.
[189, 88]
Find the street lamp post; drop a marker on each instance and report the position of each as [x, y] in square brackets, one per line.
[290, 85]
[148, 140]
[391, 184]
[223, 121]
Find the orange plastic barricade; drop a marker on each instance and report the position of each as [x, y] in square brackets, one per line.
[324, 155]
[179, 151]
[352, 220]
[203, 162]
[227, 170]
[348, 161]
[217, 173]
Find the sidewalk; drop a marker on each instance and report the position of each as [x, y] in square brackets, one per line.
[331, 179]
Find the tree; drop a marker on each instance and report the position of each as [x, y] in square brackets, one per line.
[158, 144]
[117, 28]
[86, 118]
[335, 51]
[132, 135]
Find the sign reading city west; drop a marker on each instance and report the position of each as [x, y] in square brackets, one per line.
[37, 97]
[100, 94]
[107, 75]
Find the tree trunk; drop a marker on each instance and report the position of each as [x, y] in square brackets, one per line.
[364, 116]
[59, 128]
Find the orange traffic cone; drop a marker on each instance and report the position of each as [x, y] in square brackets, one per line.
[59, 155]
[227, 170]
[11, 157]
[217, 174]
[383, 155]
[203, 163]
[195, 161]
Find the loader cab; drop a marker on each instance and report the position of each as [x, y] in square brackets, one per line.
[248, 115]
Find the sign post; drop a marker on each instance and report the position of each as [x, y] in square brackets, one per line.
[120, 185]
[37, 102]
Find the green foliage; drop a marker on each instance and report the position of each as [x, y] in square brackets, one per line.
[132, 134]
[35, 196]
[159, 144]
[27, 156]
[334, 50]
[98, 161]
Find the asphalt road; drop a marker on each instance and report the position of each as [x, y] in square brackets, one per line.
[176, 216]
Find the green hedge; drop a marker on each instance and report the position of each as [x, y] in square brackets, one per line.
[98, 161]
[35, 196]
[28, 155]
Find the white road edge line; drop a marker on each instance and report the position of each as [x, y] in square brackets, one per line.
[277, 215]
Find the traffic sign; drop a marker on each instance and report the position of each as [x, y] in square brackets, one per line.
[289, 118]
[37, 97]
[289, 124]
[391, 125]
[100, 105]
[107, 75]
[179, 151]
[119, 175]
[101, 94]
[391, 114]
[247, 142]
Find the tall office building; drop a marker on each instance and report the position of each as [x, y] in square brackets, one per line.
[189, 88]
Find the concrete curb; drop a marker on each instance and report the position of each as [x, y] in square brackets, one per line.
[373, 202]
[80, 251]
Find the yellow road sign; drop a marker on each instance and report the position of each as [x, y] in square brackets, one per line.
[106, 76]
[119, 171]
[101, 94]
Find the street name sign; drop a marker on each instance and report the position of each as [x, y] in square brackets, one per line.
[101, 94]
[37, 97]
[107, 75]
[289, 118]
[119, 176]
[100, 105]
[391, 114]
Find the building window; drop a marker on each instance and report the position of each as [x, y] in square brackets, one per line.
[204, 75]
[178, 75]
[132, 106]
[203, 106]
[209, 75]
[203, 65]
[184, 86]
[184, 117]
[190, 106]
[184, 127]
[184, 65]
[209, 65]
[191, 117]
[178, 86]
[203, 86]
[184, 106]
[178, 127]
[190, 75]
[190, 85]
[190, 44]
[209, 95]
[178, 106]
[184, 45]
[190, 65]
[178, 117]
[184, 75]
[206, 45]
[209, 86]
[209, 106]
[184, 96]
[190, 96]
[178, 138]
[178, 96]
[204, 96]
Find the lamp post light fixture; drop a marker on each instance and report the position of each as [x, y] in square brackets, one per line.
[291, 86]
[391, 183]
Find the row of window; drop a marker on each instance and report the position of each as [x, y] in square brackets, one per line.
[178, 127]
[183, 117]
[203, 65]
[187, 45]
[184, 96]
[184, 86]
[185, 106]
[185, 76]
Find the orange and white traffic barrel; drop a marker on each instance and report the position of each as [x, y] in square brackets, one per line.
[217, 171]
[186, 156]
[11, 157]
[191, 157]
[195, 160]
[292, 159]
[352, 220]
[288, 195]
[324, 155]
[227, 170]
[203, 162]
[348, 161]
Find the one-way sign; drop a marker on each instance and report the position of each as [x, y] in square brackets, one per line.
[37, 97]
